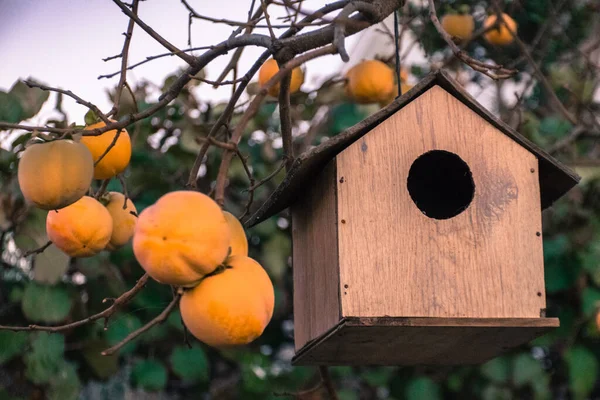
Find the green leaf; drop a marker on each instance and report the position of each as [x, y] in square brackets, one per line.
[11, 110]
[150, 375]
[497, 370]
[347, 394]
[65, 385]
[122, 326]
[423, 389]
[555, 127]
[526, 370]
[91, 118]
[31, 99]
[102, 366]
[378, 377]
[583, 370]
[50, 266]
[50, 304]
[12, 343]
[45, 359]
[191, 365]
[559, 272]
[496, 393]
[590, 301]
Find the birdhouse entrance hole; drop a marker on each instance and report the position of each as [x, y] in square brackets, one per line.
[440, 184]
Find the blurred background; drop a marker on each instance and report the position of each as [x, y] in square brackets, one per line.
[62, 43]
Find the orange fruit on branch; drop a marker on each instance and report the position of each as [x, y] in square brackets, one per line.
[239, 241]
[370, 81]
[460, 26]
[55, 174]
[181, 238]
[270, 68]
[501, 35]
[232, 307]
[123, 219]
[81, 229]
[116, 160]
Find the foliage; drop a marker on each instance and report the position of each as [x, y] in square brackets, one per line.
[49, 288]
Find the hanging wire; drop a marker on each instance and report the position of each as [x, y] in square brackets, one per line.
[397, 42]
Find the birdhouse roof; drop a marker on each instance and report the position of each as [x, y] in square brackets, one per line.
[555, 178]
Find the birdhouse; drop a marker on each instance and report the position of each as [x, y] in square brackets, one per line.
[417, 235]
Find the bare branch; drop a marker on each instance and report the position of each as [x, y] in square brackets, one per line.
[166, 44]
[492, 70]
[160, 318]
[342, 19]
[328, 383]
[286, 120]
[72, 95]
[106, 314]
[124, 56]
[38, 250]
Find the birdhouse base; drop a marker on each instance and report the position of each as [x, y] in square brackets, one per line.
[420, 341]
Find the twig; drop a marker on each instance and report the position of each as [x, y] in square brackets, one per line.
[328, 383]
[253, 109]
[124, 56]
[38, 250]
[110, 146]
[102, 189]
[160, 318]
[342, 19]
[72, 95]
[286, 120]
[538, 72]
[492, 70]
[106, 314]
[254, 186]
[166, 44]
[267, 18]
[217, 83]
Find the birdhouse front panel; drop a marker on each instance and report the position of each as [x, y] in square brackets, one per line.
[439, 216]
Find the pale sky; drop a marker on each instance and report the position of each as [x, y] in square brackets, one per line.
[62, 43]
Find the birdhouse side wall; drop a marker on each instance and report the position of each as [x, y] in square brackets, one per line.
[485, 262]
[315, 258]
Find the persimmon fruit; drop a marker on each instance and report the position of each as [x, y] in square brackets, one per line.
[239, 241]
[370, 81]
[232, 307]
[117, 159]
[501, 35]
[270, 68]
[55, 174]
[124, 219]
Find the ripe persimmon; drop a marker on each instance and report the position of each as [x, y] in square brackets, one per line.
[81, 229]
[117, 158]
[370, 81]
[239, 241]
[232, 307]
[270, 68]
[124, 219]
[181, 238]
[55, 174]
[501, 35]
[460, 26]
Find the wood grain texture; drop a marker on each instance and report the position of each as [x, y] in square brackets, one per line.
[315, 259]
[555, 178]
[394, 261]
[420, 341]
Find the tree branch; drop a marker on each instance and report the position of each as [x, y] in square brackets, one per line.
[328, 383]
[160, 318]
[106, 314]
[124, 56]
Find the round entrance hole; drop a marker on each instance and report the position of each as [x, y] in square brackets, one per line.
[440, 184]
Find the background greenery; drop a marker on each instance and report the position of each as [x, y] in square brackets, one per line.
[50, 288]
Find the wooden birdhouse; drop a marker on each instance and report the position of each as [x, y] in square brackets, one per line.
[417, 235]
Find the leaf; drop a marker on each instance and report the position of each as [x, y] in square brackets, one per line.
[423, 389]
[150, 375]
[526, 370]
[559, 273]
[103, 366]
[590, 301]
[377, 377]
[50, 266]
[12, 343]
[191, 365]
[45, 358]
[555, 127]
[275, 254]
[50, 304]
[31, 99]
[11, 110]
[583, 370]
[496, 393]
[65, 385]
[497, 370]
[122, 326]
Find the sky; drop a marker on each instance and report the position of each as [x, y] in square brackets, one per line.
[62, 42]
